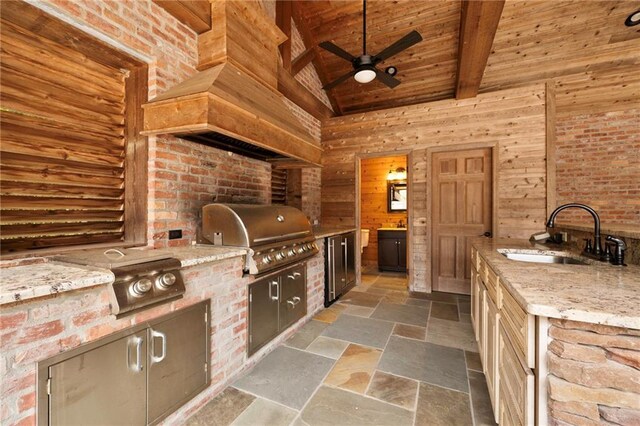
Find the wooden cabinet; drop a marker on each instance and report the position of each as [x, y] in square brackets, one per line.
[507, 343]
[392, 250]
[275, 303]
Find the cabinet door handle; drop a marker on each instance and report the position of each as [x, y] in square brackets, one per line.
[154, 358]
[137, 367]
[271, 285]
[296, 300]
[296, 274]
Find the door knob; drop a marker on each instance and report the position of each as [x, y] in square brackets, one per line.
[487, 234]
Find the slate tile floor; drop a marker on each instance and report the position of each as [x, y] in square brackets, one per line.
[380, 356]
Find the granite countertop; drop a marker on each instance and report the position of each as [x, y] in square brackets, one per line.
[32, 278]
[597, 293]
[322, 231]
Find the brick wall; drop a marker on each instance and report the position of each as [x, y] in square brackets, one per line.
[186, 176]
[594, 374]
[32, 331]
[598, 163]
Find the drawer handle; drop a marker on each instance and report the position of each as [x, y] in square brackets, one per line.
[154, 358]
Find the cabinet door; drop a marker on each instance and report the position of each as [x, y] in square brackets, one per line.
[293, 298]
[387, 254]
[178, 359]
[263, 312]
[105, 385]
[482, 315]
[402, 253]
[337, 270]
[492, 354]
[475, 305]
[350, 258]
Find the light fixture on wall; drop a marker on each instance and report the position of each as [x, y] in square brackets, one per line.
[398, 174]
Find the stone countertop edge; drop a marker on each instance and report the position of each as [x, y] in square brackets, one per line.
[35, 280]
[597, 293]
[329, 231]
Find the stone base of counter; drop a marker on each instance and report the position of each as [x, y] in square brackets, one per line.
[33, 330]
[594, 374]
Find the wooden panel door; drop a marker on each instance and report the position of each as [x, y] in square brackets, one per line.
[461, 209]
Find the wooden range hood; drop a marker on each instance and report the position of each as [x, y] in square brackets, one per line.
[233, 103]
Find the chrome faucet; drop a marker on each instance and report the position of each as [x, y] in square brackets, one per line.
[596, 250]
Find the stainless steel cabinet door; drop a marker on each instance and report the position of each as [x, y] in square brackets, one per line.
[350, 258]
[264, 298]
[177, 360]
[337, 273]
[103, 386]
[293, 298]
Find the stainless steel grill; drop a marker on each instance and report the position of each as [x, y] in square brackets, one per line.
[276, 236]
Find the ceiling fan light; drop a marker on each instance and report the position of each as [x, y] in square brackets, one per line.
[365, 75]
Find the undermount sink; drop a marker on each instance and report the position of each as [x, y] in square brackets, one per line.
[543, 258]
[392, 229]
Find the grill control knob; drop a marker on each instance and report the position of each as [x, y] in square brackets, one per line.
[291, 253]
[140, 287]
[166, 280]
[279, 255]
[266, 259]
[300, 249]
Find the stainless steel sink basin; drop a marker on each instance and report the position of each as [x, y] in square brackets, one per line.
[543, 258]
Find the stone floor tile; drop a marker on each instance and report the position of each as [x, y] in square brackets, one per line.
[333, 406]
[359, 311]
[267, 413]
[464, 298]
[466, 318]
[223, 409]
[406, 314]
[354, 368]
[376, 290]
[439, 365]
[473, 361]
[306, 334]
[438, 406]
[482, 410]
[451, 333]
[437, 297]
[287, 376]
[417, 302]
[393, 389]
[446, 311]
[410, 331]
[330, 314]
[363, 331]
[331, 348]
[395, 297]
[361, 299]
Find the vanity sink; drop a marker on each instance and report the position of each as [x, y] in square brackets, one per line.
[543, 258]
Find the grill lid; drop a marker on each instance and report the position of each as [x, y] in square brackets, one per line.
[248, 225]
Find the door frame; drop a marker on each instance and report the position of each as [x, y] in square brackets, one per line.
[493, 146]
[358, 164]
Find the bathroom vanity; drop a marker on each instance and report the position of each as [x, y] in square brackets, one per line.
[392, 249]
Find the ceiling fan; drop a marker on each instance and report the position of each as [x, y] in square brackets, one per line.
[364, 66]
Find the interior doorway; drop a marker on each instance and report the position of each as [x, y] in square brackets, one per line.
[383, 214]
[461, 206]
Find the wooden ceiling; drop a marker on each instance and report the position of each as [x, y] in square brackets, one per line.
[534, 40]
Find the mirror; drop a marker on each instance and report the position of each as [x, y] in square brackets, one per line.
[396, 196]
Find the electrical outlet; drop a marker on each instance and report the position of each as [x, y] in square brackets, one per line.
[175, 234]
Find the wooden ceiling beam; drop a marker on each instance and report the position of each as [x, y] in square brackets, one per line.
[283, 21]
[478, 25]
[195, 14]
[310, 42]
[303, 60]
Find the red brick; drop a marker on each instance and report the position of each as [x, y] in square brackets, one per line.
[41, 331]
[26, 402]
[12, 321]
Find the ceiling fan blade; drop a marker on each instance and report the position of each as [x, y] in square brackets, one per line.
[404, 43]
[338, 51]
[387, 79]
[338, 80]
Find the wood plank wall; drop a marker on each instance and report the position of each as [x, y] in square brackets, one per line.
[512, 121]
[373, 196]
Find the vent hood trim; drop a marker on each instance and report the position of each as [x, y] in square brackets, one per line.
[226, 100]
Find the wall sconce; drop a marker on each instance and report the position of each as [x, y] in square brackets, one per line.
[398, 174]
